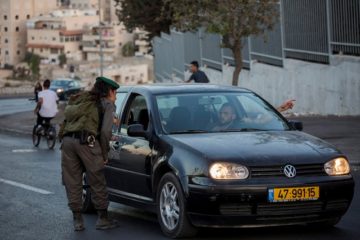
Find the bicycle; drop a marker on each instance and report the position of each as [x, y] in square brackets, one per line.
[49, 132]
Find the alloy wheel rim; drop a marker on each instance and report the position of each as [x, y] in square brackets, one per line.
[169, 206]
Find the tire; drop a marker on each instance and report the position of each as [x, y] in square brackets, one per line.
[171, 208]
[51, 137]
[36, 137]
[87, 205]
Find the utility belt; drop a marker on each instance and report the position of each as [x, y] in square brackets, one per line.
[85, 138]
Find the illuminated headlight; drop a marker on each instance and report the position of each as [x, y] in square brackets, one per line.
[59, 90]
[337, 166]
[228, 171]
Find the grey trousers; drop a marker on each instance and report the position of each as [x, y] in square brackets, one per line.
[74, 158]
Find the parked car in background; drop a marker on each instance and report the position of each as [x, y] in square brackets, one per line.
[173, 155]
[65, 87]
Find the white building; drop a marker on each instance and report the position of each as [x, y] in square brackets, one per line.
[113, 38]
[13, 17]
[59, 32]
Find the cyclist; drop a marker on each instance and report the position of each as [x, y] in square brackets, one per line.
[46, 107]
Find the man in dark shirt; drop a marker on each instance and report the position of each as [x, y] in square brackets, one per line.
[197, 75]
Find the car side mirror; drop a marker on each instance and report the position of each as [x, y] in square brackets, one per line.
[136, 130]
[296, 125]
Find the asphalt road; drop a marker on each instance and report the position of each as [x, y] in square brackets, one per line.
[33, 205]
[17, 105]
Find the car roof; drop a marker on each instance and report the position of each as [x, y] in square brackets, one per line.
[64, 79]
[176, 88]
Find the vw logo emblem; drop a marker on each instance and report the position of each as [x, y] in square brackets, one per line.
[290, 171]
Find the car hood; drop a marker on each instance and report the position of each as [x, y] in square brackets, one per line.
[258, 148]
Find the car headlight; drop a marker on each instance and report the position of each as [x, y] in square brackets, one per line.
[228, 171]
[59, 90]
[337, 166]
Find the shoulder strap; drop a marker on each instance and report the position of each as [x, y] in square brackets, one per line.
[101, 114]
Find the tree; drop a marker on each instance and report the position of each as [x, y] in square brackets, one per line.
[145, 14]
[33, 60]
[62, 59]
[128, 49]
[232, 19]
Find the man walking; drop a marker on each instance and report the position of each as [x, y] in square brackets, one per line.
[86, 134]
[197, 75]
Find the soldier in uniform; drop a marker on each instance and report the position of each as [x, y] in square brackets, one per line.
[86, 133]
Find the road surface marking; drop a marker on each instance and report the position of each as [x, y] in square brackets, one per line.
[24, 186]
[24, 150]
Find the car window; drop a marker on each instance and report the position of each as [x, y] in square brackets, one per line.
[136, 113]
[76, 84]
[120, 97]
[166, 103]
[214, 112]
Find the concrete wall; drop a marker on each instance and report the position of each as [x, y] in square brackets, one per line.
[318, 88]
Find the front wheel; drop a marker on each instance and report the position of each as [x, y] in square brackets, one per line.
[51, 137]
[36, 136]
[171, 208]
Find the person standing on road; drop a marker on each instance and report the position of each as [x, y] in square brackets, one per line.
[37, 89]
[197, 75]
[86, 133]
[46, 107]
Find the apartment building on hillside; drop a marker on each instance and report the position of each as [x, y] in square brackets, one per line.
[60, 32]
[13, 17]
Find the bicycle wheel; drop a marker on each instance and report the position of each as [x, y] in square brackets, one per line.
[36, 136]
[51, 137]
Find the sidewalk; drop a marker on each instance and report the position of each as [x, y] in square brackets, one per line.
[343, 132]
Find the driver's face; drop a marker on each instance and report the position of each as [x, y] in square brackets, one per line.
[226, 115]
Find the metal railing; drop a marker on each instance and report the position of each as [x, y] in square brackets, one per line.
[308, 30]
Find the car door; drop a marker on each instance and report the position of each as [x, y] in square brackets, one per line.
[111, 172]
[131, 159]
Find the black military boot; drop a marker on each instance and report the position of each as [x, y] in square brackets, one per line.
[104, 222]
[78, 221]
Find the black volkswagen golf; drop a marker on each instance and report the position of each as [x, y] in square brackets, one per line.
[216, 156]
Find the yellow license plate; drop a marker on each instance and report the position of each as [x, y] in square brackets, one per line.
[294, 194]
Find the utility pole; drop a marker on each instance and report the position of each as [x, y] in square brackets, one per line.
[100, 40]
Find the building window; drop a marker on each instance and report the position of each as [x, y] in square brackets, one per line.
[6, 41]
[54, 38]
[16, 17]
[17, 29]
[6, 52]
[54, 51]
[32, 38]
[5, 17]
[41, 50]
[28, 16]
[5, 29]
[18, 52]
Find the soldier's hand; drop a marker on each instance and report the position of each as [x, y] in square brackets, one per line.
[106, 161]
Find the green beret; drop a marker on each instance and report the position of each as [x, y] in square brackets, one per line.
[108, 81]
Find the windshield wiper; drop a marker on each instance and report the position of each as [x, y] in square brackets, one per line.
[243, 130]
[188, 131]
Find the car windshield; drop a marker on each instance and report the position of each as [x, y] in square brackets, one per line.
[217, 112]
[60, 83]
